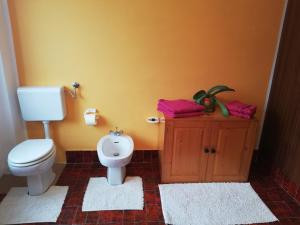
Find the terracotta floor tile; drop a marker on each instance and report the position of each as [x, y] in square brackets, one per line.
[150, 223]
[297, 197]
[129, 223]
[151, 197]
[155, 223]
[92, 217]
[294, 207]
[114, 223]
[154, 213]
[80, 217]
[280, 209]
[67, 215]
[114, 216]
[74, 199]
[290, 221]
[76, 176]
[150, 184]
[134, 216]
[78, 188]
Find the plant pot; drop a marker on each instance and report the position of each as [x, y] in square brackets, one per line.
[210, 106]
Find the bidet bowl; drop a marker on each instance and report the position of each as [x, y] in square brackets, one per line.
[115, 151]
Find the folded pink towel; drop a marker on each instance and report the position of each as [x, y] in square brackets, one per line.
[240, 107]
[177, 115]
[182, 115]
[242, 115]
[180, 106]
[164, 109]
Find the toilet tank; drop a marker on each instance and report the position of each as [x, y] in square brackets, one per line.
[42, 103]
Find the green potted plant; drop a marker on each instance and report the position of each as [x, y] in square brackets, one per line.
[209, 100]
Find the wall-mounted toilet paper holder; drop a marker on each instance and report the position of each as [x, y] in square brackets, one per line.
[90, 117]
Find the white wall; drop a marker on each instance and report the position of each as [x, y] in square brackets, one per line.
[12, 129]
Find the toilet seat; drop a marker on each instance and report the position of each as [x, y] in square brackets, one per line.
[31, 152]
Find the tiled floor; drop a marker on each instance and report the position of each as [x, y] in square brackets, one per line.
[9, 181]
[281, 204]
[76, 176]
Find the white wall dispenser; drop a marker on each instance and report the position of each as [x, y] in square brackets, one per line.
[90, 117]
[152, 119]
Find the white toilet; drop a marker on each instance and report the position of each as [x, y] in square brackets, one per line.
[115, 152]
[34, 158]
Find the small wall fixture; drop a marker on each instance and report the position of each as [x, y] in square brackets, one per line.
[153, 119]
[73, 92]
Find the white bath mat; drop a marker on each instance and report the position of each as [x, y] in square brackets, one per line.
[212, 204]
[18, 207]
[100, 195]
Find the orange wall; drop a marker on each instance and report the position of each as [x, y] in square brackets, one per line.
[128, 54]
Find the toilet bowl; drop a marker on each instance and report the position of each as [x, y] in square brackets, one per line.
[34, 159]
[115, 152]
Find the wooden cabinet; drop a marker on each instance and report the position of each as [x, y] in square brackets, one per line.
[206, 148]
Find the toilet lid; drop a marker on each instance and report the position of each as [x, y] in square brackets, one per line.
[30, 151]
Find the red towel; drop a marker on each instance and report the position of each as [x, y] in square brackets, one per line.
[180, 106]
[177, 115]
[182, 115]
[242, 115]
[239, 107]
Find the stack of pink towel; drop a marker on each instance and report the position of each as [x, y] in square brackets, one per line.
[179, 108]
[240, 109]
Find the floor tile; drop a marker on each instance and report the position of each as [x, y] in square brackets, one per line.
[280, 209]
[151, 197]
[92, 218]
[79, 217]
[131, 216]
[77, 175]
[66, 216]
[154, 213]
[114, 216]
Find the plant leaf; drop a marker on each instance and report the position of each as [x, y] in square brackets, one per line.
[220, 89]
[200, 99]
[199, 94]
[223, 108]
[211, 90]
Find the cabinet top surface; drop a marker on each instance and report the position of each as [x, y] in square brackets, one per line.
[215, 116]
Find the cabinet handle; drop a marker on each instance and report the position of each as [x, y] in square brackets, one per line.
[206, 150]
[213, 151]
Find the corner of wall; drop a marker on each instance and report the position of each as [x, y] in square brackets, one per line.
[271, 75]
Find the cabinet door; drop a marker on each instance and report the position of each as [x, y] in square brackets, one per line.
[186, 159]
[231, 151]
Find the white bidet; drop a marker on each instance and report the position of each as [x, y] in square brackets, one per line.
[115, 152]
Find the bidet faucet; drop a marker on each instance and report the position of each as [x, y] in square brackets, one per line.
[116, 132]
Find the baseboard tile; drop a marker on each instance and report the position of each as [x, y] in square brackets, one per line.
[139, 156]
